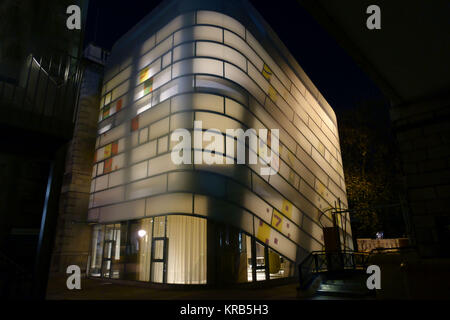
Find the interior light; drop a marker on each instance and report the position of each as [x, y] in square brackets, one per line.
[142, 233]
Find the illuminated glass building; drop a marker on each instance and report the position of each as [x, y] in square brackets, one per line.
[217, 62]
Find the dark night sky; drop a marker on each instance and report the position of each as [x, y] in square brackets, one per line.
[330, 68]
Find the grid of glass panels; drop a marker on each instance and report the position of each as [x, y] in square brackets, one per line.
[163, 249]
[214, 70]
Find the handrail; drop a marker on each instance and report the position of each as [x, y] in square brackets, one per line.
[46, 87]
[322, 261]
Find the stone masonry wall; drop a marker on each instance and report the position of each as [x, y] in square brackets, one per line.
[72, 241]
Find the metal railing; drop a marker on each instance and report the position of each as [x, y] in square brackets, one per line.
[47, 88]
[323, 261]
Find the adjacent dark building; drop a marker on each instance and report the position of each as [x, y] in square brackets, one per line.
[39, 81]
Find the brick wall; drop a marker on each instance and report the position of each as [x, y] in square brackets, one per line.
[72, 240]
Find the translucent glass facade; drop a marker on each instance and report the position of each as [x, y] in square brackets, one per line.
[152, 217]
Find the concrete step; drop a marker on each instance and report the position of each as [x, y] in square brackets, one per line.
[344, 290]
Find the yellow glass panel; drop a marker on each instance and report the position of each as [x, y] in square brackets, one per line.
[321, 149]
[266, 72]
[108, 149]
[144, 74]
[263, 232]
[287, 209]
[277, 220]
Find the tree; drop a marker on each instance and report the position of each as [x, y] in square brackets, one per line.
[371, 169]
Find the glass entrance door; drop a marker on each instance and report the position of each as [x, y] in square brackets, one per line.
[159, 259]
[107, 258]
[110, 249]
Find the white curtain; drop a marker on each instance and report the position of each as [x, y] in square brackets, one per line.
[186, 261]
[145, 250]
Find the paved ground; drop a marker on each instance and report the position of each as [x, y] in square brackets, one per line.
[103, 290]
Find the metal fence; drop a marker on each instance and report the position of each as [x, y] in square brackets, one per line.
[47, 88]
[323, 261]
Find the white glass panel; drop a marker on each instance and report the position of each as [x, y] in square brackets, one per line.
[146, 187]
[169, 28]
[221, 86]
[237, 75]
[258, 77]
[169, 203]
[268, 59]
[108, 196]
[159, 128]
[250, 201]
[138, 171]
[157, 52]
[325, 166]
[155, 113]
[162, 164]
[197, 101]
[216, 50]
[209, 66]
[224, 212]
[100, 168]
[167, 91]
[94, 171]
[123, 211]
[161, 78]
[116, 178]
[101, 183]
[198, 33]
[123, 75]
[120, 90]
[182, 67]
[311, 165]
[148, 44]
[143, 135]
[215, 121]
[112, 135]
[107, 98]
[198, 65]
[163, 144]
[183, 51]
[312, 228]
[184, 120]
[167, 59]
[134, 139]
[239, 44]
[219, 19]
[143, 152]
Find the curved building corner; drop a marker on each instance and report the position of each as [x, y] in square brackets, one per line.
[216, 63]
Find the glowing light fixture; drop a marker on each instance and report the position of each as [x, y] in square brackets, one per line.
[142, 233]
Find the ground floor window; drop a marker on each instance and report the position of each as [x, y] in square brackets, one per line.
[164, 249]
[279, 267]
[260, 261]
[173, 249]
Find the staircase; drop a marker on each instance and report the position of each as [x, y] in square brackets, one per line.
[341, 275]
[345, 285]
